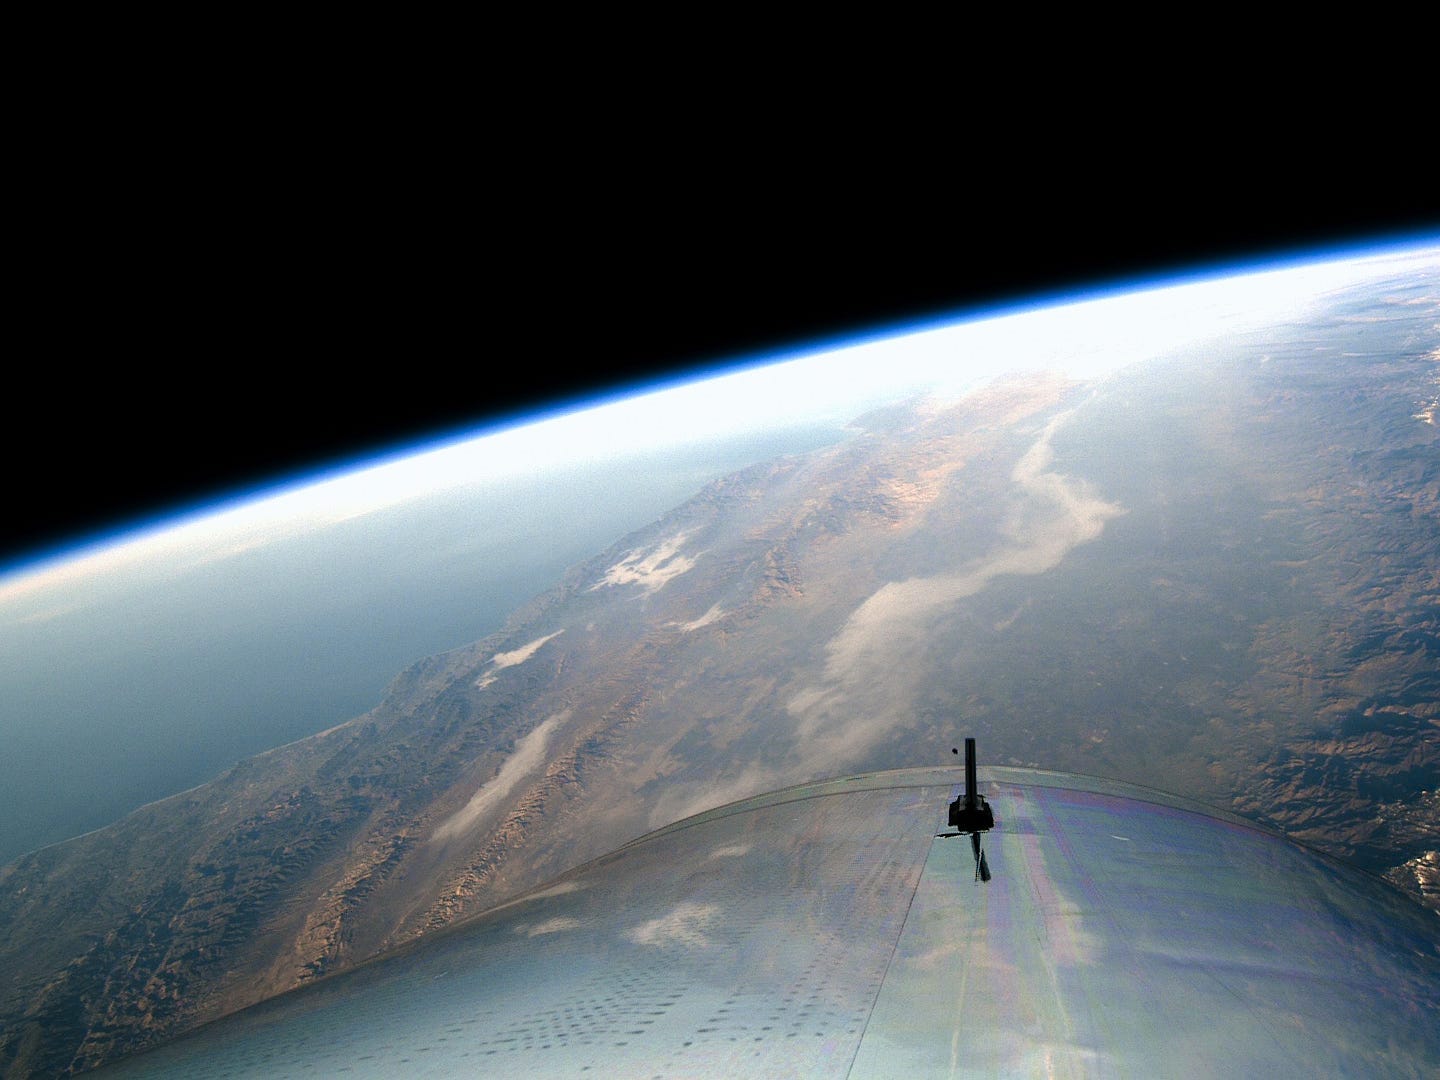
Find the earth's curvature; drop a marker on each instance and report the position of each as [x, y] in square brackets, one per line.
[1214, 569]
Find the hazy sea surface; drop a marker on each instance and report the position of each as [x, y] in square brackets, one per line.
[159, 679]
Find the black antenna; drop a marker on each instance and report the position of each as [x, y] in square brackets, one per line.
[970, 792]
[970, 814]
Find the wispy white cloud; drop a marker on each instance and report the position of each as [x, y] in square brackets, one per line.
[870, 664]
[730, 851]
[713, 615]
[651, 569]
[685, 925]
[530, 754]
[511, 658]
[680, 800]
[549, 926]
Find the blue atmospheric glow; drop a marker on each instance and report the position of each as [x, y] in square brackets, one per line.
[1372, 248]
[306, 477]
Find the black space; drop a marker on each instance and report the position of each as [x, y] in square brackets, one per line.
[196, 340]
